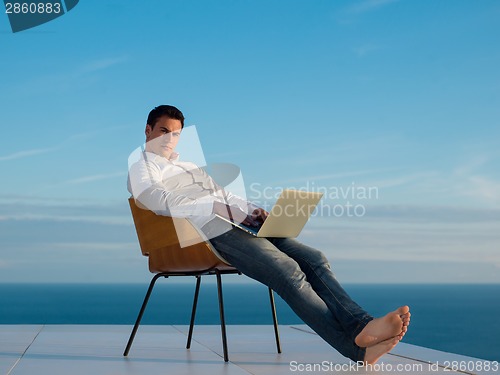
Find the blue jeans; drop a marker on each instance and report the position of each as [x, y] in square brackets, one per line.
[301, 276]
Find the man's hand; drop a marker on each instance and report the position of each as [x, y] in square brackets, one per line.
[235, 214]
[260, 215]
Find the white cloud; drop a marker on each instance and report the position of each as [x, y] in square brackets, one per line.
[96, 246]
[380, 240]
[105, 63]
[470, 165]
[27, 153]
[484, 189]
[402, 179]
[365, 49]
[102, 219]
[369, 5]
[96, 177]
[338, 175]
[75, 137]
[50, 211]
[60, 80]
[471, 182]
[453, 237]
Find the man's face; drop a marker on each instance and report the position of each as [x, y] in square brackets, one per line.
[163, 138]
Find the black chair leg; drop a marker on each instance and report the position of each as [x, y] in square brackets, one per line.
[221, 312]
[141, 312]
[275, 321]
[193, 312]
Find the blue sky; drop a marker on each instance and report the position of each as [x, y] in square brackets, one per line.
[403, 96]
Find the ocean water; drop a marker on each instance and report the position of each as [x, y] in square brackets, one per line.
[462, 319]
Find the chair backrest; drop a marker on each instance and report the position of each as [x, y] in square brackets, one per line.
[158, 239]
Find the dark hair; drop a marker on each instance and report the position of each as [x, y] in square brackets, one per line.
[165, 110]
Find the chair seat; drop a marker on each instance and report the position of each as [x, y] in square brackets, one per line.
[158, 264]
[201, 260]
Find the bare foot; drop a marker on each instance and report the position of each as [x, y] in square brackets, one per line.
[380, 329]
[406, 318]
[373, 353]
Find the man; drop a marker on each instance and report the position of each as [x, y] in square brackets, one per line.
[300, 274]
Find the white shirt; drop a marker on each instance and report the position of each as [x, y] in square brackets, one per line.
[178, 189]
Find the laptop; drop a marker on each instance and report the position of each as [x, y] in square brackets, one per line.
[287, 217]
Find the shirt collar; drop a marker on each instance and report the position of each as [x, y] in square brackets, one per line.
[174, 157]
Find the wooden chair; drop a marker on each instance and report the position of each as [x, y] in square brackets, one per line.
[159, 242]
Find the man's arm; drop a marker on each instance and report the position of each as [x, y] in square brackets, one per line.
[147, 187]
[236, 214]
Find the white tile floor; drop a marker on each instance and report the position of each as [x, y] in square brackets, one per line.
[97, 350]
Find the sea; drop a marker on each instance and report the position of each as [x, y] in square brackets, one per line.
[462, 319]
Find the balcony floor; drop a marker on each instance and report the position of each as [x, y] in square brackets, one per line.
[97, 349]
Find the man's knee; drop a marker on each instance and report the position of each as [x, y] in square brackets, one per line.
[318, 259]
[285, 274]
[310, 255]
